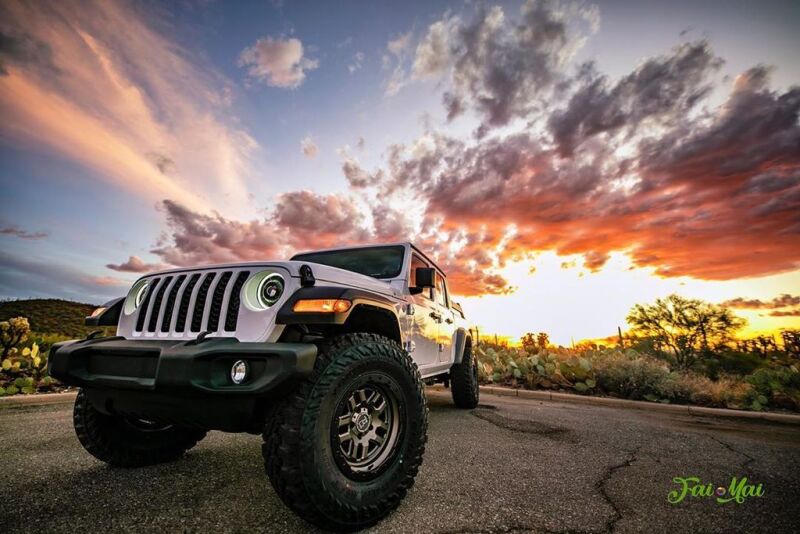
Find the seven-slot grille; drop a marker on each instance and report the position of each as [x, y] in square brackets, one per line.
[206, 301]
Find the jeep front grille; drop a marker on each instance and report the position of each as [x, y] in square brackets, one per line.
[197, 302]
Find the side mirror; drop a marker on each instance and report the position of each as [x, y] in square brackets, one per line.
[425, 277]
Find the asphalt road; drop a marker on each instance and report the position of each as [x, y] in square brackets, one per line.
[513, 465]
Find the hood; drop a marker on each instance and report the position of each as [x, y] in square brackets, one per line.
[323, 273]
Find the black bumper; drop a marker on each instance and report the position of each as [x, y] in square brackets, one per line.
[182, 382]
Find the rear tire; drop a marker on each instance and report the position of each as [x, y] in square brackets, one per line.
[464, 380]
[127, 442]
[343, 449]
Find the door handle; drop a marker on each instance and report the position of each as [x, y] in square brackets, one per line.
[436, 317]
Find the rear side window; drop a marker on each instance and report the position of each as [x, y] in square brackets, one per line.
[418, 263]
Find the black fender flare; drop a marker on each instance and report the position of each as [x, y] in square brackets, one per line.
[460, 344]
[110, 314]
[359, 297]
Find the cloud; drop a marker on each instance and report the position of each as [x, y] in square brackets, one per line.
[309, 220]
[502, 68]
[400, 44]
[786, 313]
[782, 301]
[566, 159]
[97, 84]
[135, 265]
[108, 281]
[198, 239]
[696, 197]
[23, 49]
[662, 89]
[433, 54]
[309, 147]
[356, 62]
[303, 220]
[22, 234]
[398, 51]
[24, 277]
[277, 62]
[356, 176]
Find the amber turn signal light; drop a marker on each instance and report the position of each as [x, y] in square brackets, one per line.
[322, 306]
[97, 312]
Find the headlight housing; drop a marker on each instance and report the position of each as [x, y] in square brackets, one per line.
[264, 290]
[136, 296]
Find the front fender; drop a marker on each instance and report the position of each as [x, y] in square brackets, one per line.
[287, 315]
[459, 345]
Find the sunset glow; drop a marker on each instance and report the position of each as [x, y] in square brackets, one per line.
[557, 174]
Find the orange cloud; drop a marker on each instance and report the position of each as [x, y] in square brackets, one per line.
[107, 91]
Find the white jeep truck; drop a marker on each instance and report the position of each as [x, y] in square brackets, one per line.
[324, 355]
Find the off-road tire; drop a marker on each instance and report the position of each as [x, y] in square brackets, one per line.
[116, 440]
[464, 381]
[300, 452]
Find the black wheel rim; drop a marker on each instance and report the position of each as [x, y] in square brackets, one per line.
[365, 429]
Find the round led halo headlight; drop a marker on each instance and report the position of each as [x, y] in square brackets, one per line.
[239, 371]
[270, 290]
[136, 296]
[139, 296]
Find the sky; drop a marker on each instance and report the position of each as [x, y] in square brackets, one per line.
[562, 161]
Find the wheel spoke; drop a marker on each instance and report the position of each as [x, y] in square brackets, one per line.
[366, 427]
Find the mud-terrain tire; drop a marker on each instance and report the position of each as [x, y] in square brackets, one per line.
[316, 471]
[464, 380]
[124, 442]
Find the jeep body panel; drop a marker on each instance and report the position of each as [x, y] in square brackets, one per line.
[173, 351]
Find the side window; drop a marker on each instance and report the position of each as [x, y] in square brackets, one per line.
[418, 263]
[441, 292]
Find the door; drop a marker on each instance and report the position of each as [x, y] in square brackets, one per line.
[446, 319]
[424, 327]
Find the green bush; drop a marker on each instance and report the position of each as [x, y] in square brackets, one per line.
[778, 386]
[731, 362]
[632, 378]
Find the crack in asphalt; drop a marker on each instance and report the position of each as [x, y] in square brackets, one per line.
[746, 463]
[611, 523]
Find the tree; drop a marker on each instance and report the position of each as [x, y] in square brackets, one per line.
[12, 333]
[684, 327]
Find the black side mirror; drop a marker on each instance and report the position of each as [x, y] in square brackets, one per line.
[425, 277]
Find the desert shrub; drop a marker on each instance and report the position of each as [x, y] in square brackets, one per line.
[45, 341]
[13, 332]
[779, 387]
[731, 362]
[548, 369]
[630, 377]
[23, 369]
[726, 392]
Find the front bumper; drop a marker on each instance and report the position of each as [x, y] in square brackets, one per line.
[181, 382]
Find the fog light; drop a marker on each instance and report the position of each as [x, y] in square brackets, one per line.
[239, 371]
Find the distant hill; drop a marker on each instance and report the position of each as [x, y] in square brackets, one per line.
[50, 316]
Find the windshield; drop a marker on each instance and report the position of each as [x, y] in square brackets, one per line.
[377, 262]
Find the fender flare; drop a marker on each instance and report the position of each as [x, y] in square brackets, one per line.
[359, 297]
[460, 344]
